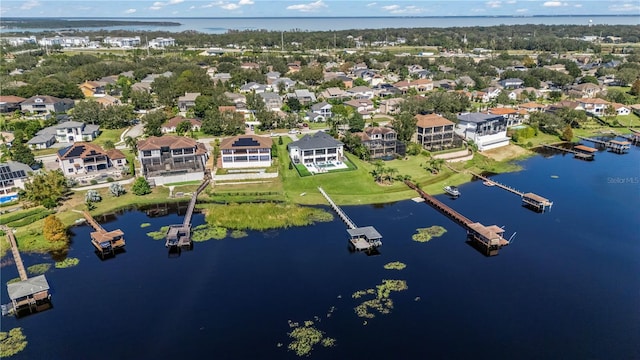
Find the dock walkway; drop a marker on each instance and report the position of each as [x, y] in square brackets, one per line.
[577, 154]
[487, 239]
[105, 242]
[361, 238]
[22, 272]
[616, 146]
[179, 235]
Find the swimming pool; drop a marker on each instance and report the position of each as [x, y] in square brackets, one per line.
[8, 198]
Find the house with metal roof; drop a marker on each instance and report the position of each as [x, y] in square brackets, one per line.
[245, 151]
[487, 131]
[319, 147]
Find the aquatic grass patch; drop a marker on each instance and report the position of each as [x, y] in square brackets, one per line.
[237, 234]
[395, 265]
[263, 216]
[39, 269]
[160, 234]
[382, 303]
[14, 280]
[205, 232]
[67, 263]
[12, 342]
[306, 337]
[426, 234]
[144, 225]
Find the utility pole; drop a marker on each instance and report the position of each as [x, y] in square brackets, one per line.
[282, 40]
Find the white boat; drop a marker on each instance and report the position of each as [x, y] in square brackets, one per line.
[452, 190]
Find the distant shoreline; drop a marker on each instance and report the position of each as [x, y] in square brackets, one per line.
[133, 18]
[56, 23]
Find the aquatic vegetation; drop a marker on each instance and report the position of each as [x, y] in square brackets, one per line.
[396, 265]
[205, 232]
[67, 263]
[554, 176]
[237, 234]
[160, 234]
[14, 280]
[12, 342]
[38, 269]
[426, 234]
[144, 225]
[306, 337]
[382, 303]
[263, 216]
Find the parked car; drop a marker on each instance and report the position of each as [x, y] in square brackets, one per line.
[294, 131]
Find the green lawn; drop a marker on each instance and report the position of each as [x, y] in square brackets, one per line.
[632, 120]
[108, 134]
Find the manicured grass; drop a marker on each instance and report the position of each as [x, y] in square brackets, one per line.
[541, 138]
[43, 152]
[108, 134]
[632, 120]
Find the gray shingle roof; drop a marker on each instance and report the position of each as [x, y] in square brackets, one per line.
[27, 287]
[477, 117]
[319, 140]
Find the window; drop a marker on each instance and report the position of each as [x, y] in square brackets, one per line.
[70, 170]
[146, 153]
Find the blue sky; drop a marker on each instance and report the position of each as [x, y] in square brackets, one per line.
[317, 8]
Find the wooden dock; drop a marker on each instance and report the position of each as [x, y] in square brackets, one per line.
[361, 238]
[30, 294]
[179, 235]
[615, 146]
[487, 239]
[105, 242]
[531, 200]
[576, 153]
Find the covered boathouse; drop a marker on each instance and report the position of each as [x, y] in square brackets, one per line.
[487, 239]
[364, 238]
[536, 202]
[31, 294]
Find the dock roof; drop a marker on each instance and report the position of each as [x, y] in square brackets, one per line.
[106, 236]
[27, 287]
[368, 231]
[536, 198]
[585, 148]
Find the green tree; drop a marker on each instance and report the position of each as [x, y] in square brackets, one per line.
[141, 100]
[567, 133]
[53, 230]
[610, 113]
[21, 153]
[131, 143]
[116, 189]
[108, 145]
[87, 111]
[405, 126]
[183, 127]
[46, 188]
[153, 122]
[141, 186]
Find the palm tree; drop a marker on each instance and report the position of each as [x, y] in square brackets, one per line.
[131, 143]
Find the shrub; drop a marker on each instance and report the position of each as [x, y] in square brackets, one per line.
[53, 229]
[116, 189]
[109, 179]
[92, 196]
[93, 181]
[141, 187]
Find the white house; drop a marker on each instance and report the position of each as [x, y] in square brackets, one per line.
[316, 148]
[245, 151]
[72, 131]
[161, 42]
[13, 175]
[485, 130]
[320, 112]
[82, 158]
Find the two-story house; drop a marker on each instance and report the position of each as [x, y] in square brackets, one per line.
[380, 141]
[304, 96]
[361, 92]
[594, 106]
[41, 105]
[364, 107]
[320, 112]
[272, 100]
[319, 147]
[13, 176]
[169, 159]
[511, 83]
[512, 116]
[187, 101]
[10, 103]
[434, 132]
[390, 106]
[334, 93]
[485, 130]
[83, 158]
[72, 131]
[245, 151]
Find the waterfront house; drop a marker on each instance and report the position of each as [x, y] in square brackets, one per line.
[594, 106]
[13, 176]
[380, 141]
[622, 109]
[82, 158]
[316, 148]
[169, 159]
[245, 151]
[43, 104]
[434, 132]
[513, 116]
[586, 90]
[487, 131]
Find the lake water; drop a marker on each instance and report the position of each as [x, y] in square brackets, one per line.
[567, 287]
[222, 25]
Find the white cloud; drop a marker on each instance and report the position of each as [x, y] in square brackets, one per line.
[230, 6]
[245, 2]
[577, 5]
[310, 7]
[30, 5]
[391, 7]
[397, 9]
[554, 4]
[372, 4]
[130, 11]
[494, 4]
[522, 10]
[475, 11]
[159, 4]
[628, 7]
[511, 2]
